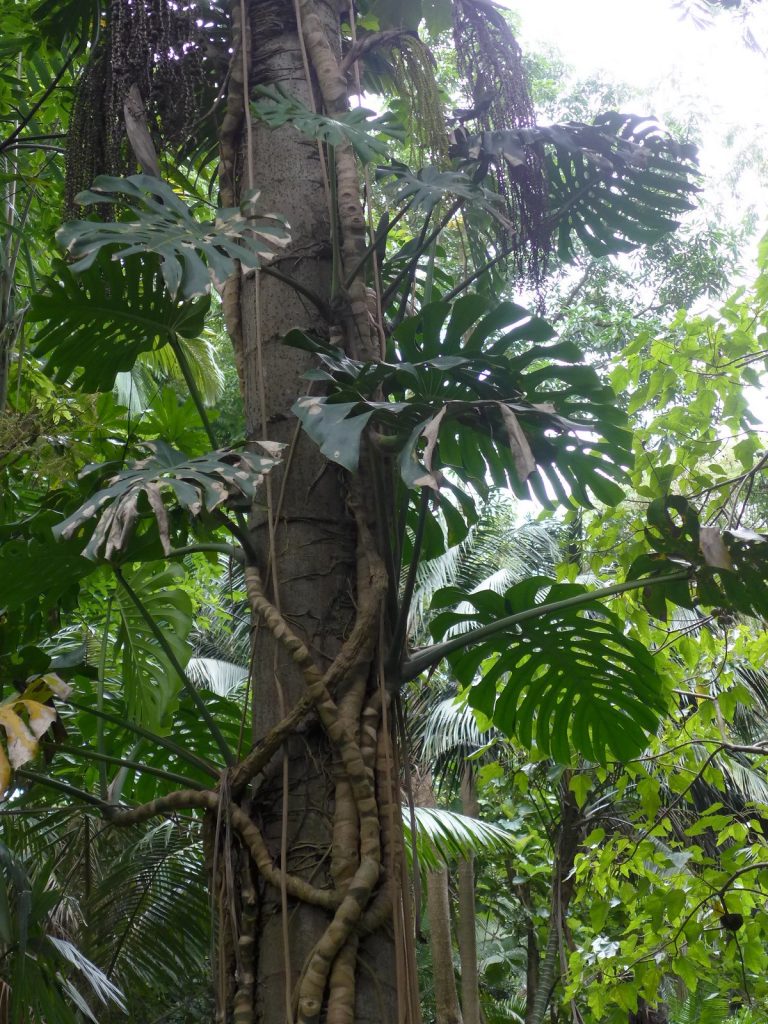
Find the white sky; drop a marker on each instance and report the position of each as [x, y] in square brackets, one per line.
[650, 47]
[680, 69]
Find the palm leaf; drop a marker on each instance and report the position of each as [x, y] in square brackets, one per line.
[443, 837]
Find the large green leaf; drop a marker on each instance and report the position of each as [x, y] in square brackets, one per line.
[616, 184]
[101, 319]
[191, 251]
[35, 568]
[359, 127]
[570, 679]
[429, 186]
[206, 483]
[479, 390]
[150, 679]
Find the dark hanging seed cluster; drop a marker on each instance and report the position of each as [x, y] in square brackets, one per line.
[156, 45]
[491, 62]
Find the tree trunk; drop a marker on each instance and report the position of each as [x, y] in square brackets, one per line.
[447, 1008]
[466, 932]
[327, 804]
[566, 847]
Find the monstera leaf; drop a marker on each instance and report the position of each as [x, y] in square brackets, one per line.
[359, 127]
[220, 478]
[568, 676]
[613, 185]
[481, 391]
[101, 319]
[429, 186]
[722, 569]
[191, 251]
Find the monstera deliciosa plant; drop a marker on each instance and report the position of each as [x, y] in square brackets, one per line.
[386, 386]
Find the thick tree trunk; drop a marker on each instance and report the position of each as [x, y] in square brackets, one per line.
[327, 802]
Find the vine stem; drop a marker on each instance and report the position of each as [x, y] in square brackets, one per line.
[430, 656]
[197, 398]
[401, 626]
[197, 700]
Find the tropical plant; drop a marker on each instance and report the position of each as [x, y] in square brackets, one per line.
[386, 385]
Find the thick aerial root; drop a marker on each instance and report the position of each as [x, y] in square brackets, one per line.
[341, 985]
[334, 938]
[186, 799]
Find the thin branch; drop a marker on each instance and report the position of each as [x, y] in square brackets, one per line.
[430, 656]
[63, 787]
[320, 304]
[197, 398]
[36, 106]
[160, 773]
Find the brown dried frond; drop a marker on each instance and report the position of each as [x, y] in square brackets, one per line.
[491, 63]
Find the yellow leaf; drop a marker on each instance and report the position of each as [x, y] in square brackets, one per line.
[5, 772]
[40, 716]
[41, 688]
[22, 745]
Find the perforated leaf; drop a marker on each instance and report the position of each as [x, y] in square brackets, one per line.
[359, 127]
[483, 391]
[726, 570]
[98, 321]
[616, 184]
[220, 478]
[192, 252]
[570, 679]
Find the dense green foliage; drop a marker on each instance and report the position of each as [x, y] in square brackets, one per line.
[577, 557]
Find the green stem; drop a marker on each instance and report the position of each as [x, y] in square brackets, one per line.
[100, 745]
[401, 625]
[430, 656]
[194, 391]
[189, 687]
[63, 787]
[161, 741]
[159, 773]
[423, 244]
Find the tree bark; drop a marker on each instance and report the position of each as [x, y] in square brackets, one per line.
[447, 1008]
[466, 932]
[314, 578]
